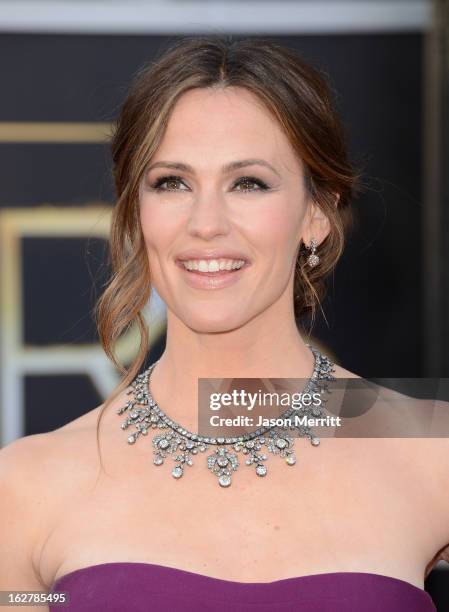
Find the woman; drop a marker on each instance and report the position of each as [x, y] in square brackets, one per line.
[234, 193]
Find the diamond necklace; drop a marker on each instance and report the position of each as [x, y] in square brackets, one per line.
[182, 445]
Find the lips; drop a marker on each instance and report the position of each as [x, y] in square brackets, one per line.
[207, 254]
[211, 280]
[218, 273]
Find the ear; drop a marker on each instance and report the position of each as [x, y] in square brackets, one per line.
[316, 223]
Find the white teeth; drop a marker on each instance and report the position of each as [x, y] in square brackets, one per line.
[205, 267]
[213, 265]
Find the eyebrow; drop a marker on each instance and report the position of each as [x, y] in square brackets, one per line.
[235, 165]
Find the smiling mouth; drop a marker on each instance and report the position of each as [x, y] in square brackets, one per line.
[216, 279]
[212, 267]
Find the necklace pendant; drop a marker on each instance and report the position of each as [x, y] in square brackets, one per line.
[222, 462]
[280, 443]
[177, 471]
[261, 470]
[251, 448]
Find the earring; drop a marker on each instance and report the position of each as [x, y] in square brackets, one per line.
[313, 259]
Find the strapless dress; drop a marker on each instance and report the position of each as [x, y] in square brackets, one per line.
[146, 587]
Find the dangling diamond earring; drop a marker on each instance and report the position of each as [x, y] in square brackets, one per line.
[313, 259]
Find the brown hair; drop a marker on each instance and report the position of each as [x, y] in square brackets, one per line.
[297, 96]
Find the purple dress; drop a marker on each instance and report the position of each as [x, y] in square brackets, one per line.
[146, 587]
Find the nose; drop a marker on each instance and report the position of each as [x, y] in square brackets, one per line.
[209, 216]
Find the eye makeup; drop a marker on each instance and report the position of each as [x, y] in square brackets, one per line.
[243, 180]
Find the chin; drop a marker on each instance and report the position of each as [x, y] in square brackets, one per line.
[213, 322]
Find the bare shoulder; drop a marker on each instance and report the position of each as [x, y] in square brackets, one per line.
[35, 464]
[40, 475]
[422, 441]
[422, 448]
[34, 476]
[433, 453]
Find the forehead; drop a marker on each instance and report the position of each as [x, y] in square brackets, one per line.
[225, 123]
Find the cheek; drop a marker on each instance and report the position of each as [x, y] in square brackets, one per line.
[158, 226]
[275, 229]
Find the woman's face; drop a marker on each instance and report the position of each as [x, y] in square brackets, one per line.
[194, 197]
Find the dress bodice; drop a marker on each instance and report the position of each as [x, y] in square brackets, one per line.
[147, 587]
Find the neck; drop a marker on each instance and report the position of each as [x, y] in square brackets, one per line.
[262, 348]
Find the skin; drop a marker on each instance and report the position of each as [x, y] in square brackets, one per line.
[323, 515]
[206, 334]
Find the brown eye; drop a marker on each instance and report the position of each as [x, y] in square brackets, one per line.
[248, 183]
[171, 184]
[171, 181]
